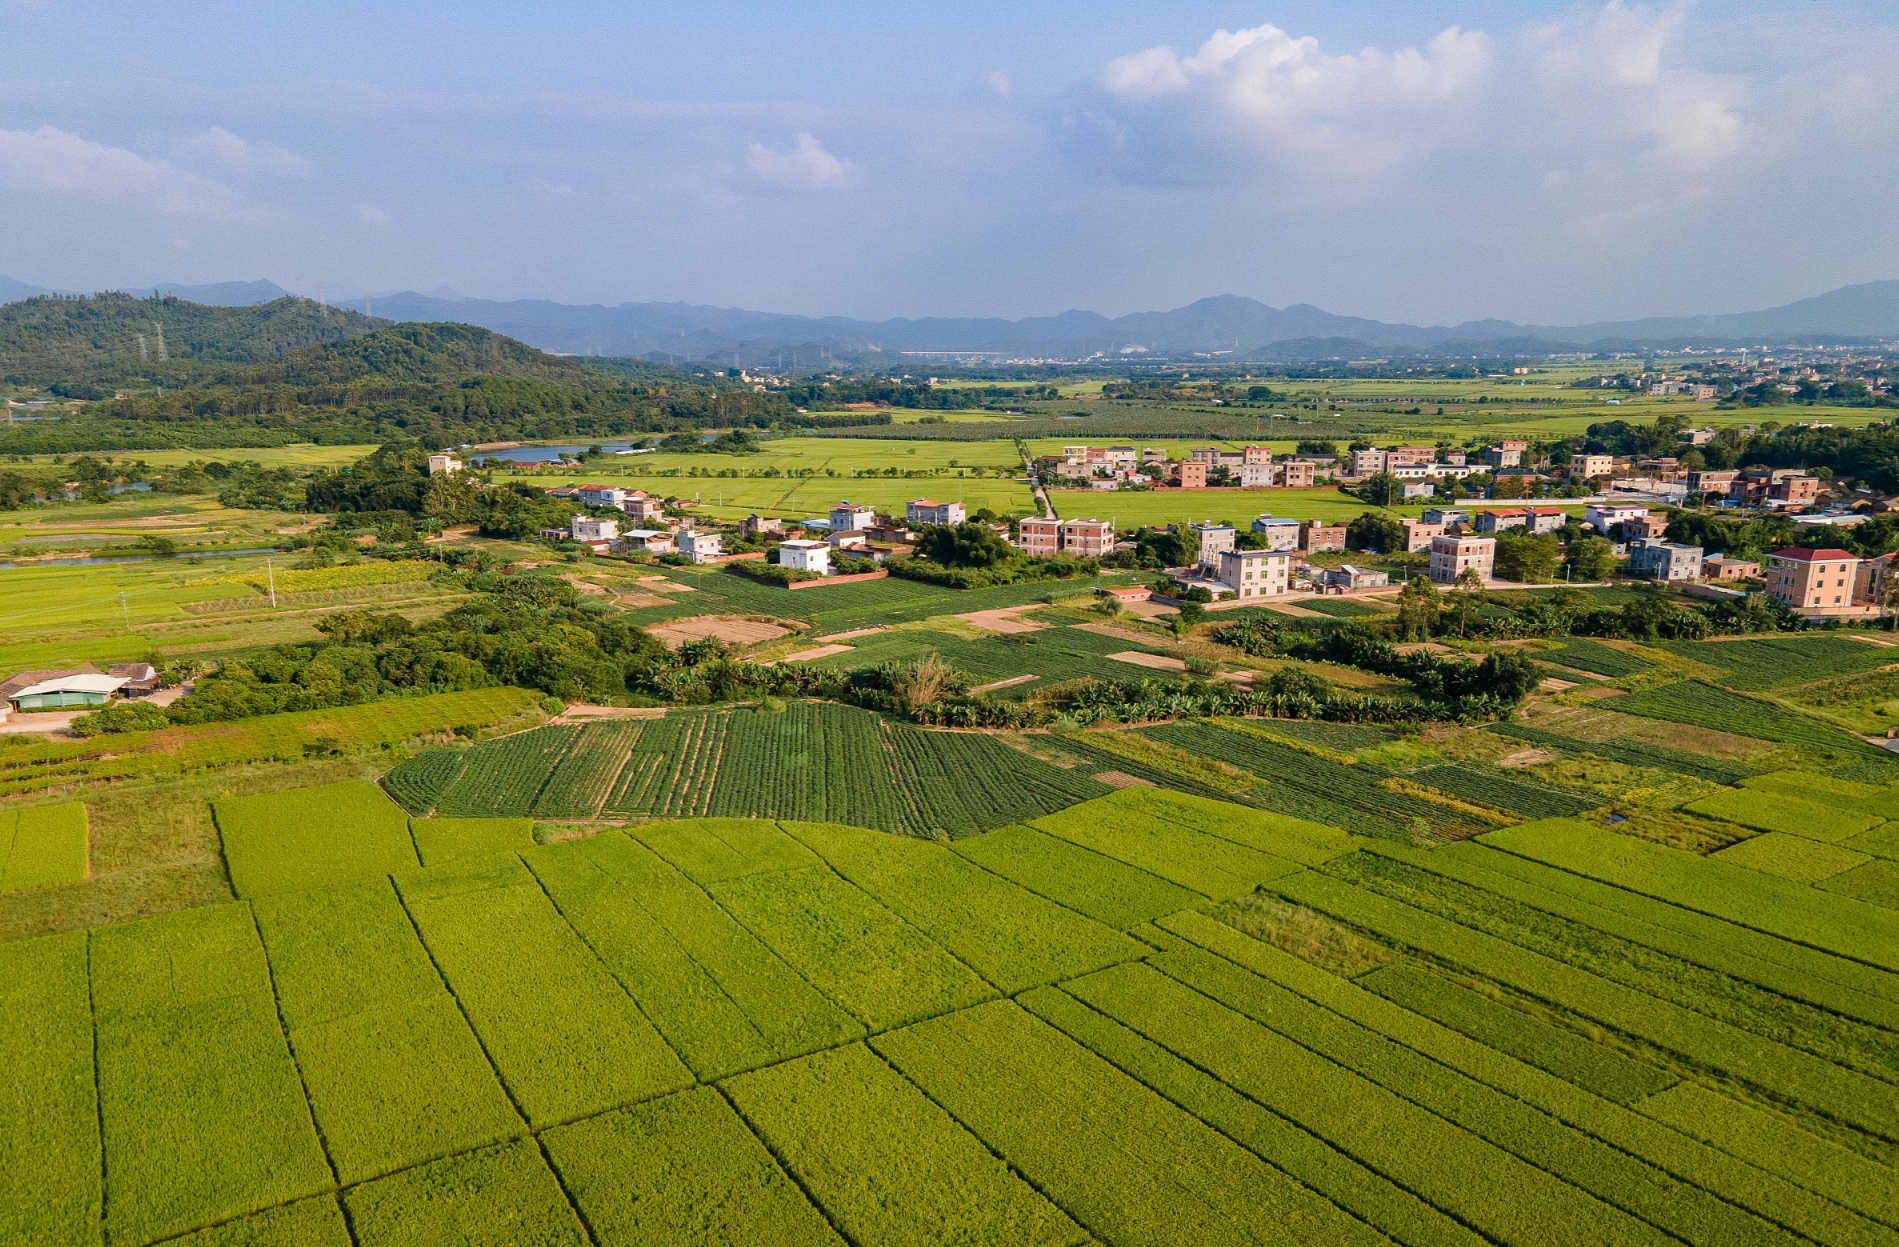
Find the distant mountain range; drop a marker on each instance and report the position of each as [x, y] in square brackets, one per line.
[1238, 328]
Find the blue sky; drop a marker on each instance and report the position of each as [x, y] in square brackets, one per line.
[1422, 161]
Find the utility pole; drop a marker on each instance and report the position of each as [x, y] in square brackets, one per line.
[123, 613]
[270, 574]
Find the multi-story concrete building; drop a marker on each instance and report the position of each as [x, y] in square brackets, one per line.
[1870, 582]
[1087, 539]
[1507, 454]
[602, 495]
[1298, 474]
[1602, 516]
[1813, 580]
[700, 547]
[760, 525]
[1281, 532]
[1453, 555]
[445, 463]
[641, 506]
[1529, 519]
[1316, 536]
[1649, 526]
[1215, 539]
[806, 556]
[1719, 567]
[587, 529]
[1191, 474]
[1255, 475]
[1419, 534]
[1712, 480]
[846, 515]
[1255, 455]
[923, 511]
[1039, 536]
[1664, 560]
[1408, 456]
[1591, 467]
[1368, 462]
[1253, 573]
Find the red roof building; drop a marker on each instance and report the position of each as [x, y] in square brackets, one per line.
[1812, 580]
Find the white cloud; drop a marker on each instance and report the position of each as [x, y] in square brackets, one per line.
[220, 146]
[998, 83]
[51, 161]
[1266, 94]
[806, 165]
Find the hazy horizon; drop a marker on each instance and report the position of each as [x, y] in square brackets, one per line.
[1425, 163]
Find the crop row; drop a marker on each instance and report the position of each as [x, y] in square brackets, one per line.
[1719, 1173]
[720, 998]
[1758, 663]
[1713, 1045]
[1744, 897]
[1703, 705]
[1300, 784]
[1581, 655]
[420, 782]
[1503, 792]
[1126, 1162]
[503, 778]
[959, 783]
[1635, 753]
[585, 775]
[1012, 937]
[1782, 966]
[1736, 1002]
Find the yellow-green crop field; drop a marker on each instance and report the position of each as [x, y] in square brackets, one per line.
[1136, 1018]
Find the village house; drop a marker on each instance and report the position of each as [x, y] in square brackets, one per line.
[1418, 534]
[641, 506]
[847, 516]
[1297, 474]
[760, 525]
[804, 555]
[1720, 567]
[1454, 554]
[1039, 537]
[700, 547]
[923, 511]
[1351, 577]
[1316, 536]
[1664, 560]
[1820, 581]
[1281, 532]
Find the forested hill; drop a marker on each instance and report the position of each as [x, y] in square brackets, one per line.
[104, 340]
[442, 385]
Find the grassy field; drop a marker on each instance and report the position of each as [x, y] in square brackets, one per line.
[1148, 1018]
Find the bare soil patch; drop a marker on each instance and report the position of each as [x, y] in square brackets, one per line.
[822, 651]
[1527, 757]
[1156, 662]
[1120, 779]
[1119, 634]
[732, 629]
[1008, 683]
[1006, 620]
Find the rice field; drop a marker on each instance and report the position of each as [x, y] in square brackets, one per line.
[790, 1029]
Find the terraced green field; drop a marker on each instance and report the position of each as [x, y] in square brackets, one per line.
[750, 1030]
